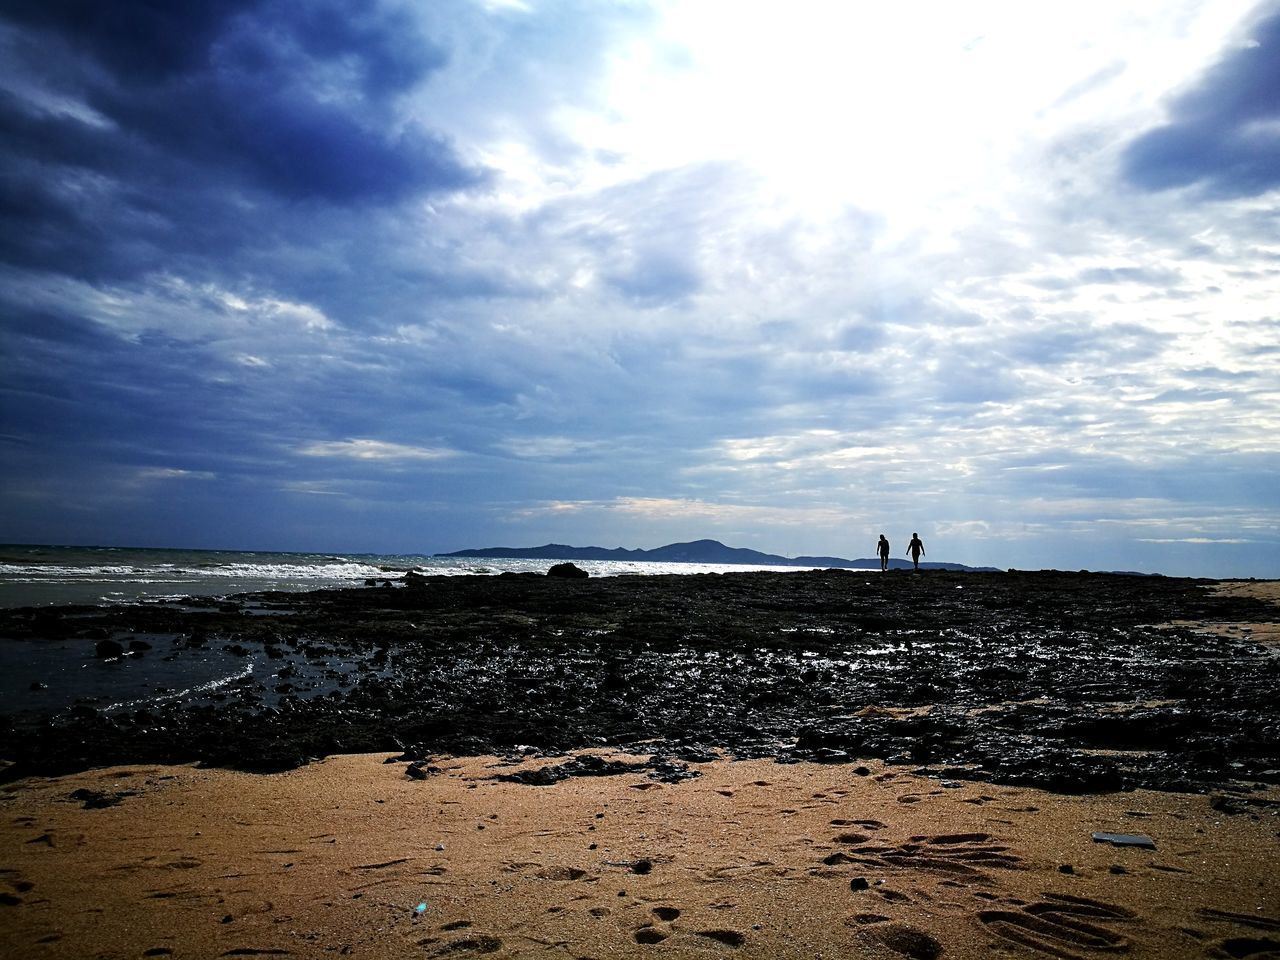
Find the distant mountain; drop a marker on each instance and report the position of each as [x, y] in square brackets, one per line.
[696, 551]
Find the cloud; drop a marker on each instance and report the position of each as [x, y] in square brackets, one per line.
[1223, 134]
[424, 275]
[203, 128]
[173, 473]
[366, 449]
[1195, 540]
[538, 448]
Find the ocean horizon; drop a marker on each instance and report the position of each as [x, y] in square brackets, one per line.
[33, 575]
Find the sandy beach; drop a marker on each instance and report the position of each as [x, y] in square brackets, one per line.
[680, 850]
[751, 859]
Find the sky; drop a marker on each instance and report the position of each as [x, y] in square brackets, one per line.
[415, 277]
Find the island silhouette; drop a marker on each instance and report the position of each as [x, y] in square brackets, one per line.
[696, 551]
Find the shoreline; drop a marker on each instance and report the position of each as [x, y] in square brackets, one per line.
[749, 859]
[667, 844]
[1072, 682]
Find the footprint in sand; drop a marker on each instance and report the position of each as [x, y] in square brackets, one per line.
[561, 873]
[907, 940]
[730, 938]
[866, 919]
[850, 838]
[13, 879]
[1247, 946]
[1060, 925]
[893, 896]
[955, 855]
[469, 945]
[666, 913]
[650, 935]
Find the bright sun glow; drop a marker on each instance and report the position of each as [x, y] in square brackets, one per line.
[912, 108]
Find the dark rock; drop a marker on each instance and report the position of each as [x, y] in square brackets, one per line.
[858, 883]
[568, 570]
[666, 770]
[106, 649]
[696, 753]
[490, 665]
[97, 800]
[588, 765]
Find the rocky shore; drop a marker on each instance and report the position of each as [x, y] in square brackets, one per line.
[1067, 682]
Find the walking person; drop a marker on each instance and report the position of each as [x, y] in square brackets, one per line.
[916, 549]
[883, 547]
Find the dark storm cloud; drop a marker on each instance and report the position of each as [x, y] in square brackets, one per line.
[89, 393]
[1224, 134]
[198, 127]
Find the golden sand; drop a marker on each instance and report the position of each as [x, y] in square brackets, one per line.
[752, 859]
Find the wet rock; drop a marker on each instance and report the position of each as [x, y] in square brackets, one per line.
[742, 663]
[666, 770]
[567, 571]
[588, 765]
[106, 649]
[696, 753]
[98, 800]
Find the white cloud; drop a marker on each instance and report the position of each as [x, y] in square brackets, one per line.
[546, 448]
[172, 473]
[1195, 540]
[367, 449]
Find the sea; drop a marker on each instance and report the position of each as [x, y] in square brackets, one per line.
[49, 676]
[33, 576]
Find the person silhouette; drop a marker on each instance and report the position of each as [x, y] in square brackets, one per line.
[883, 547]
[916, 549]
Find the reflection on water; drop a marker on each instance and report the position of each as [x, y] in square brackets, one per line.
[51, 676]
